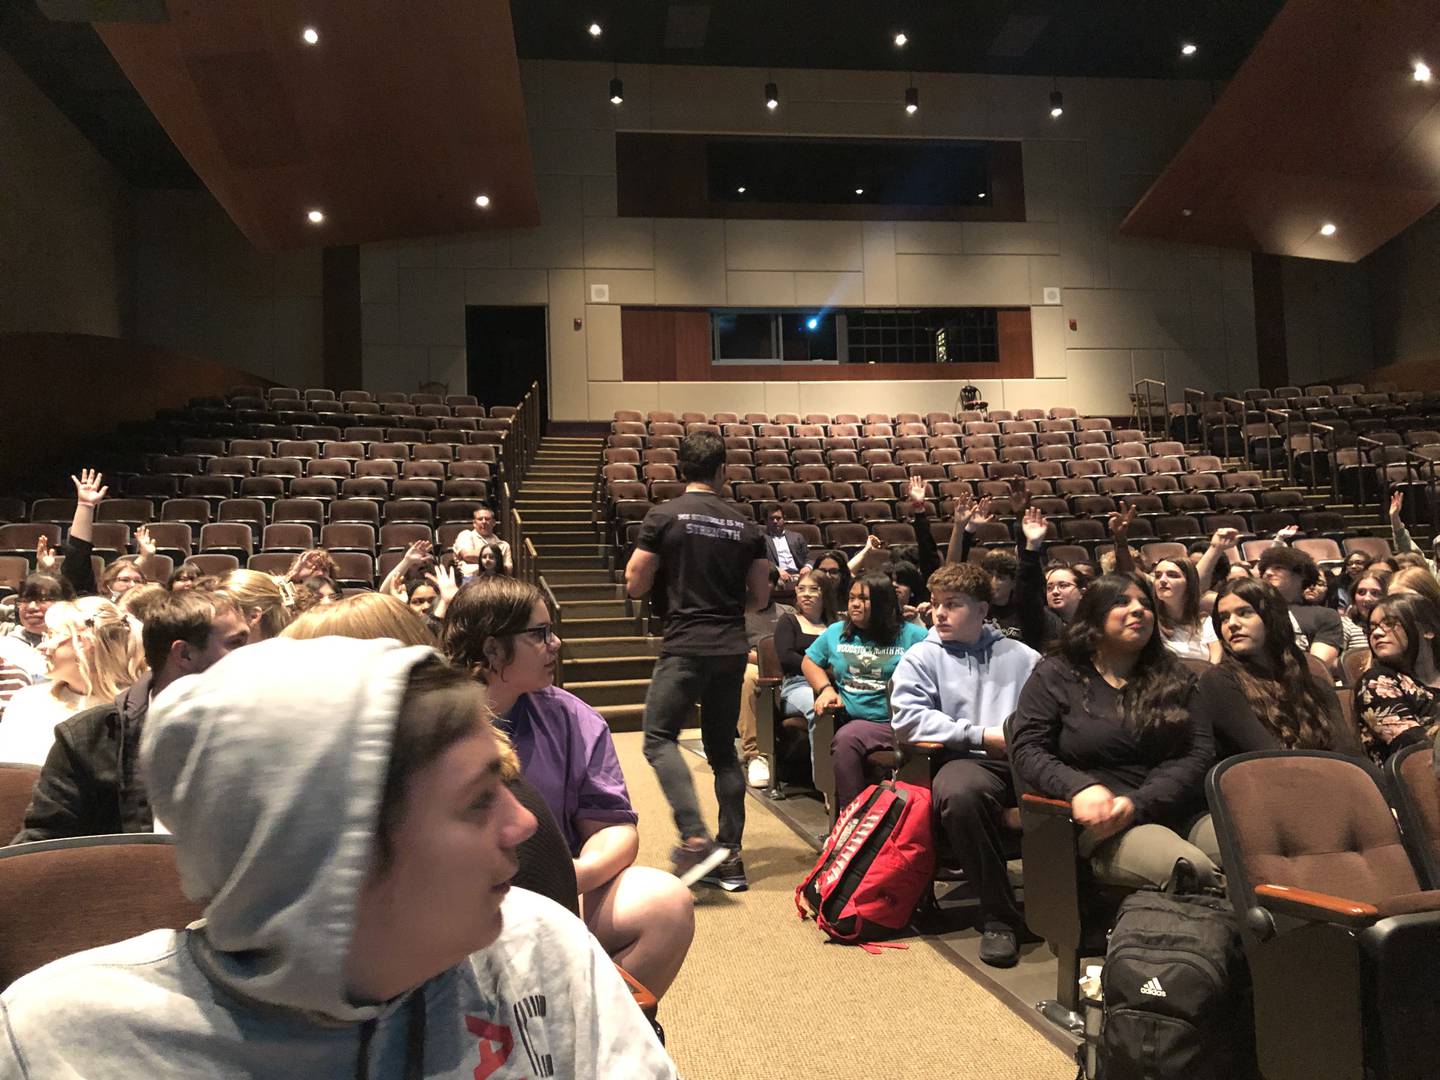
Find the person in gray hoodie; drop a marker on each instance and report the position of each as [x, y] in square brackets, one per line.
[338, 806]
[957, 688]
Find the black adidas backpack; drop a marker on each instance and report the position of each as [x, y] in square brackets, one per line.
[1177, 992]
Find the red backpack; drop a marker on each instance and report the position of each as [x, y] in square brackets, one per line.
[877, 862]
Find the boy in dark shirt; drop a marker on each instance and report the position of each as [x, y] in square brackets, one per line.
[704, 566]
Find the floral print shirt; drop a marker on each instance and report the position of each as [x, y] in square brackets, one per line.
[1392, 709]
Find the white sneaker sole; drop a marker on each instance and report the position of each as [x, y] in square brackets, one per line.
[704, 866]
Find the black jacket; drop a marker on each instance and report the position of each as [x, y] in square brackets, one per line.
[90, 785]
[799, 550]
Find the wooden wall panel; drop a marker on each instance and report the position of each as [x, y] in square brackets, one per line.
[674, 345]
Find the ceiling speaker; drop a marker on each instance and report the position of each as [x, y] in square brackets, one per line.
[599, 294]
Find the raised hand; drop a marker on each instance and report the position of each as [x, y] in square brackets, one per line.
[964, 507]
[46, 559]
[443, 578]
[1034, 527]
[1019, 494]
[1120, 522]
[1288, 533]
[916, 493]
[1397, 503]
[1225, 539]
[143, 543]
[417, 552]
[981, 515]
[90, 489]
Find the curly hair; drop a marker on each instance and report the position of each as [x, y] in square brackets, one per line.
[1156, 698]
[1277, 682]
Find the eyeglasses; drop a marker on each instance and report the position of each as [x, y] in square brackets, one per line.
[1389, 624]
[541, 635]
[1061, 586]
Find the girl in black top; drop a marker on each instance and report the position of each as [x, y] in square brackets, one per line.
[1105, 723]
[794, 633]
[1397, 701]
[1263, 695]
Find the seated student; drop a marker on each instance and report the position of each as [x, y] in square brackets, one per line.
[836, 570]
[186, 576]
[1263, 695]
[1177, 593]
[268, 603]
[1403, 542]
[359, 919]
[470, 544]
[795, 632]
[957, 687]
[758, 624]
[1317, 628]
[1366, 590]
[20, 645]
[325, 590]
[93, 654]
[312, 563]
[1017, 585]
[1106, 724]
[141, 600]
[91, 783]
[785, 548]
[1416, 581]
[847, 667]
[500, 631]
[1397, 701]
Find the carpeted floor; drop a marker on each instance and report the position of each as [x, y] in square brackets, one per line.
[763, 994]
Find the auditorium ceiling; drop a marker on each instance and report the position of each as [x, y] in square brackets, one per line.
[1324, 145]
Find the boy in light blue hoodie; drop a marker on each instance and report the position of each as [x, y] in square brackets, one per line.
[957, 687]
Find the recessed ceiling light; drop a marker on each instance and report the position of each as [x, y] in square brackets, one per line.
[594, 29]
[482, 201]
[1328, 229]
[1422, 71]
[310, 36]
[900, 40]
[859, 191]
[1057, 104]
[740, 190]
[772, 96]
[1186, 212]
[617, 91]
[1188, 49]
[912, 100]
[315, 217]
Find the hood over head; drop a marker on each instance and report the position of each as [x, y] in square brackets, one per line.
[269, 768]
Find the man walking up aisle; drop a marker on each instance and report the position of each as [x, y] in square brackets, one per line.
[703, 565]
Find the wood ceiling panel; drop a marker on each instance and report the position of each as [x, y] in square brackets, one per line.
[390, 126]
[1323, 123]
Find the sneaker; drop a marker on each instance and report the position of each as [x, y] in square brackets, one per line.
[757, 773]
[728, 875]
[692, 864]
[998, 946]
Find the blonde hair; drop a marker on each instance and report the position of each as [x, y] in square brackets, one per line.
[276, 602]
[1414, 579]
[141, 600]
[371, 615]
[107, 650]
[364, 615]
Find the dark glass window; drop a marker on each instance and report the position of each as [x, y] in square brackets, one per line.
[744, 335]
[858, 335]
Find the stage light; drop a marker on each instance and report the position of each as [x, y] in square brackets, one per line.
[912, 100]
[812, 323]
[772, 96]
[1057, 104]
[617, 91]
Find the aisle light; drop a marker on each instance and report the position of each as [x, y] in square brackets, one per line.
[772, 96]
[1057, 104]
[912, 100]
[617, 91]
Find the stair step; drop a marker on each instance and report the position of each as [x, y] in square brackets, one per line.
[564, 537]
[556, 526]
[569, 516]
[569, 562]
[579, 629]
[609, 691]
[623, 717]
[594, 609]
[590, 669]
[545, 548]
[586, 591]
[578, 577]
[609, 647]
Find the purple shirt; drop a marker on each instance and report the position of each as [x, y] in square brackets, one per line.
[566, 752]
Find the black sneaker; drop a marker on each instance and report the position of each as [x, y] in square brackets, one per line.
[728, 875]
[998, 946]
[692, 864]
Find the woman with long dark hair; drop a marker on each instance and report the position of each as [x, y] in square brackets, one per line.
[848, 667]
[1397, 701]
[795, 632]
[1177, 596]
[1106, 724]
[1366, 591]
[1263, 695]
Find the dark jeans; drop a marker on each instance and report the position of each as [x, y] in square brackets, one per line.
[678, 683]
[969, 796]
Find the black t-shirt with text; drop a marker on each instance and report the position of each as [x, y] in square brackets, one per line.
[706, 549]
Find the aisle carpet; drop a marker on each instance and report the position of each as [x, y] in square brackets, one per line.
[763, 994]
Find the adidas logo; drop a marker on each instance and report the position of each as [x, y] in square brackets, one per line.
[1153, 988]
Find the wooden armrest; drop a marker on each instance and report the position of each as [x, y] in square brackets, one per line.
[1042, 805]
[920, 749]
[647, 1001]
[768, 680]
[1315, 906]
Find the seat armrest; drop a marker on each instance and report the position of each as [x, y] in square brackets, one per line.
[1315, 906]
[768, 681]
[647, 1001]
[1041, 805]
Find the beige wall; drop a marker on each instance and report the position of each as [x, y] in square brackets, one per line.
[201, 288]
[1141, 309]
[63, 220]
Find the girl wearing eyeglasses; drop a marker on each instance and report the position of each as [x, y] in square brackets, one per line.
[500, 629]
[1397, 701]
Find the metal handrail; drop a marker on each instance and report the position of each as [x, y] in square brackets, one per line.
[1148, 423]
[557, 612]
[1383, 490]
[1191, 395]
[1225, 431]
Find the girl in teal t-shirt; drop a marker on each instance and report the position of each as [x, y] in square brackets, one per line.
[853, 659]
